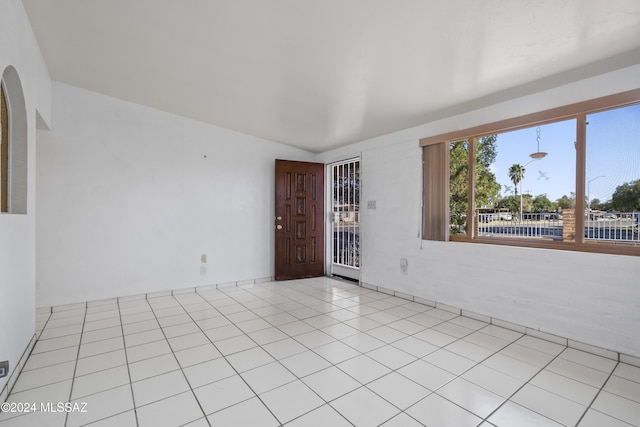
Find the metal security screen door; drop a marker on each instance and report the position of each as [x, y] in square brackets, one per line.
[345, 224]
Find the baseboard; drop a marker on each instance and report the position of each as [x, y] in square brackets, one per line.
[13, 377]
[567, 342]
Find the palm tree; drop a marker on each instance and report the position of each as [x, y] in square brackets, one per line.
[516, 173]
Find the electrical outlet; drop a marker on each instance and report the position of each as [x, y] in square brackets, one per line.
[4, 368]
[203, 270]
[371, 204]
[203, 258]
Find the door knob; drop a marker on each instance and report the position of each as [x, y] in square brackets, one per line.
[278, 227]
[278, 218]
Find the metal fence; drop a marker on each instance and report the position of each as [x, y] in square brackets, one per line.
[611, 227]
[616, 227]
[532, 225]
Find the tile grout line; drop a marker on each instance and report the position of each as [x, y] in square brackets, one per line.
[177, 362]
[258, 345]
[598, 394]
[75, 368]
[126, 358]
[522, 386]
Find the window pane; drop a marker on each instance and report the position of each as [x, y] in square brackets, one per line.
[525, 182]
[612, 181]
[458, 187]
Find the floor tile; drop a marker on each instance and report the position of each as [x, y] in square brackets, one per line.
[124, 419]
[249, 359]
[618, 407]
[511, 414]
[44, 376]
[267, 335]
[173, 411]
[291, 400]
[102, 346]
[398, 390]
[284, 348]
[363, 342]
[391, 357]
[594, 418]
[386, 334]
[364, 369]
[151, 367]
[362, 407]
[56, 392]
[223, 394]
[314, 339]
[578, 372]
[267, 377]
[557, 408]
[321, 417]
[305, 363]
[336, 352]
[100, 381]
[194, 355]
[576, 391]
[426, 374]
[587, 359]
[50, 358]
[248, 413]
[147, 351]
[513, 367]
[159, 387]
[623, 387]
[188, 341]
[102, 405]
[449, 361]
[331, 383]
[311, 352]
[208, 372]
[473, 398]
[43, 345]
[496, 382]
[629, 372]
[233, 345]
[415, 346]
[438, 411]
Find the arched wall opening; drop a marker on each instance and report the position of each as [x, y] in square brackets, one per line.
[14, 173]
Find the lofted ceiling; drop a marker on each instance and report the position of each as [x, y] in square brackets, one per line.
[318, 74]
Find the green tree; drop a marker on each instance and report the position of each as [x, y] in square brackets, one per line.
[487, 188]
[542, 203]
[516, 174]
[626, 198]
[565, 202]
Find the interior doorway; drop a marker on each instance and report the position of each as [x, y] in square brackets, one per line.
[345, 218]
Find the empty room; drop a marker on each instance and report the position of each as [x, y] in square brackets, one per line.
[320, 213]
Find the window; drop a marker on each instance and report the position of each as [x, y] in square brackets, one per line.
[537, 180]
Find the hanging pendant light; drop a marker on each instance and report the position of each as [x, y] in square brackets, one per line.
[538, 154]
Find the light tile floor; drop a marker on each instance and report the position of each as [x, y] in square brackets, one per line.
[314, 352]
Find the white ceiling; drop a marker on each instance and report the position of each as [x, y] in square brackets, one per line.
[318, 74]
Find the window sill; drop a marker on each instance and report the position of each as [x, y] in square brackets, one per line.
[632, 249]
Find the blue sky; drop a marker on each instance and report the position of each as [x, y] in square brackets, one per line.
[613, 155]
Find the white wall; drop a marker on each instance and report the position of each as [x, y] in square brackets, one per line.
[592, 298]
[127, 201]
[19, 49]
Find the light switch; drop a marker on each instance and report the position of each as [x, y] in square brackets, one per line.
[371, 204]
[203, 258]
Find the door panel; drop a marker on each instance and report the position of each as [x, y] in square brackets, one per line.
[299, 234]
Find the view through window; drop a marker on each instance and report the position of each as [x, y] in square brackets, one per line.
[570, 179]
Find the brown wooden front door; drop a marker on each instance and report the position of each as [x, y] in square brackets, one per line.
[299, 220]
